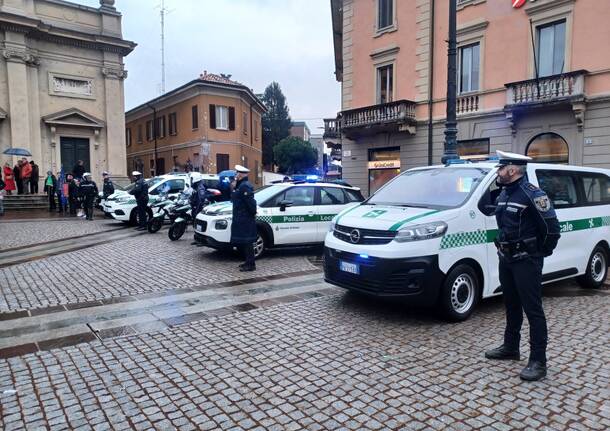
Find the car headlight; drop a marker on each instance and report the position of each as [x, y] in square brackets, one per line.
[122, 199]
[221, 224]
[331, 226]
[421, 231]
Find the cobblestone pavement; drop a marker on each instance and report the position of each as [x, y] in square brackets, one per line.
[338, 362]
[142, 264]
[17, 234]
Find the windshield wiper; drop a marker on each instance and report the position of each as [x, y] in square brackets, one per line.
[413, 206]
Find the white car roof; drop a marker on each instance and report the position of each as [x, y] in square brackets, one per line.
[492, 165]
[314, 183]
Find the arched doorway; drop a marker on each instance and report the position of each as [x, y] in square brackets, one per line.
[548, 148]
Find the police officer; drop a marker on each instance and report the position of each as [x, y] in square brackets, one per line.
[108, 187]
[243, 226]
[88, 191]
[140, 192]
[528, 232]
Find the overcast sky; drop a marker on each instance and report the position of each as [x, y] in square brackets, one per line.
[256, 41]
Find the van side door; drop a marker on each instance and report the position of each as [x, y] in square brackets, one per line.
[293, 216]
[487, 206]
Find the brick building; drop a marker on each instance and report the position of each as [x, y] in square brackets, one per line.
[533, 78]
[207, 125]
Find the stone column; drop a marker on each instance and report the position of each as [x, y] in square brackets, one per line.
[115, 120]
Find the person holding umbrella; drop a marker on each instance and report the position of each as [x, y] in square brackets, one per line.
[17, 177]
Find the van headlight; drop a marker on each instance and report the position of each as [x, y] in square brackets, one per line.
[123, 199]
[221, 224]
[331, 226]
[421, 231]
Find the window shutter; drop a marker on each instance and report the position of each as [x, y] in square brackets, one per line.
[231, 118]
[212, 116]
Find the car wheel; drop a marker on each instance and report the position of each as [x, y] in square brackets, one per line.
[597, 269]
[459, 293]
[259, 245]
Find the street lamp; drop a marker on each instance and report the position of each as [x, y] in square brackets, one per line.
[154, 130]
[450, 151]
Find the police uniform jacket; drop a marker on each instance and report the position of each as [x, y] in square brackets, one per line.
[524, 212]
[108, 188]
[88, 189]
[243, 226]
[140, 191]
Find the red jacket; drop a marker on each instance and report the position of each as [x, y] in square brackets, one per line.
[26, 170]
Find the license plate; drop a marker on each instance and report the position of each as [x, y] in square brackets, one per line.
[198, 228]
[352, 268]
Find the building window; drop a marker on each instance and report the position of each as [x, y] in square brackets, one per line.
[551, 48]
[128, 137]
[385, 84]
[256, 172]
[256, 130]
[245, 123]
[139, 133]
[161, 127]
[385, 13]
[222, 117]
[195, 117]
[473, 148]
[469, 68]
[173, 124]
[548, 148]
[149, 130]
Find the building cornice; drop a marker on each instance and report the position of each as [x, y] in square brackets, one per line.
[38, 29]
[542, 6]
[190, 144]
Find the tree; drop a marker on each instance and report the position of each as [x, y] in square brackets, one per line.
[276, 121]
[295, 156]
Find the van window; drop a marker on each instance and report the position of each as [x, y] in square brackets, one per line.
[560, 186]
[175, 186]
[331, 196]
[437, 188]
[353, 195]
[596, 188]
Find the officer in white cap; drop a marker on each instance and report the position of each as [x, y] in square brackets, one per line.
[88, 191]
[140, 192]
[528, 232]
[243, 225]
[107, 187]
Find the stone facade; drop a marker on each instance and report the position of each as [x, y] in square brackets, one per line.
[507, 107]
[61, 84]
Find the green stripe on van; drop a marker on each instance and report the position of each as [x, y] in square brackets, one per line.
[395, 226]
[465, 239]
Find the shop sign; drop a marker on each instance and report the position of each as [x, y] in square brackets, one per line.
[384, 164]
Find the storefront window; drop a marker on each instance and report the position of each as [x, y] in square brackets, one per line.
[548, 148]
[473, 148]
[384, 164]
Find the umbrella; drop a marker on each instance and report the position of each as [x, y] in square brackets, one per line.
[17, 152]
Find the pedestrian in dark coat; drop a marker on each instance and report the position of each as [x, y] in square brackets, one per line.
[79, 170]
[17, 176]
[243, 225]
[108, 187]
[140, 192]
[50, 188]
[34, 178]
[72, 194]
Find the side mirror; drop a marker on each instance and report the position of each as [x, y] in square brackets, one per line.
[284, 204]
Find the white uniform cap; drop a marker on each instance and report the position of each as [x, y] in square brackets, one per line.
[507, 158]
[240, 168]
[87, 174]
[136, 173]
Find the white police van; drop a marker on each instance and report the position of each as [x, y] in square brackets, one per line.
[122, 206]
[288, 214]
[427, 236]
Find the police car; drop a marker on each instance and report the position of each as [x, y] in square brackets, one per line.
[122, 206]
[288, 214]
[427, 236]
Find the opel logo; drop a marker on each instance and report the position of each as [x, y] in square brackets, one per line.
[354, 236]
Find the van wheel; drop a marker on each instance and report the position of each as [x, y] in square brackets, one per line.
[460, 293]
[597, 269]
[260, 245]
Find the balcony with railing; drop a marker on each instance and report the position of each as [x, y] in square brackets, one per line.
[549, 90]
[467, 104]
[396, 116]
[332, 128]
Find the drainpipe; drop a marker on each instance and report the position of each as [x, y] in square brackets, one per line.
[431, 83]
[154, 134]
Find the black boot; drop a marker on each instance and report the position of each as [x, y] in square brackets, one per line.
[534, 371]
[247, 268]
[503, 352]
